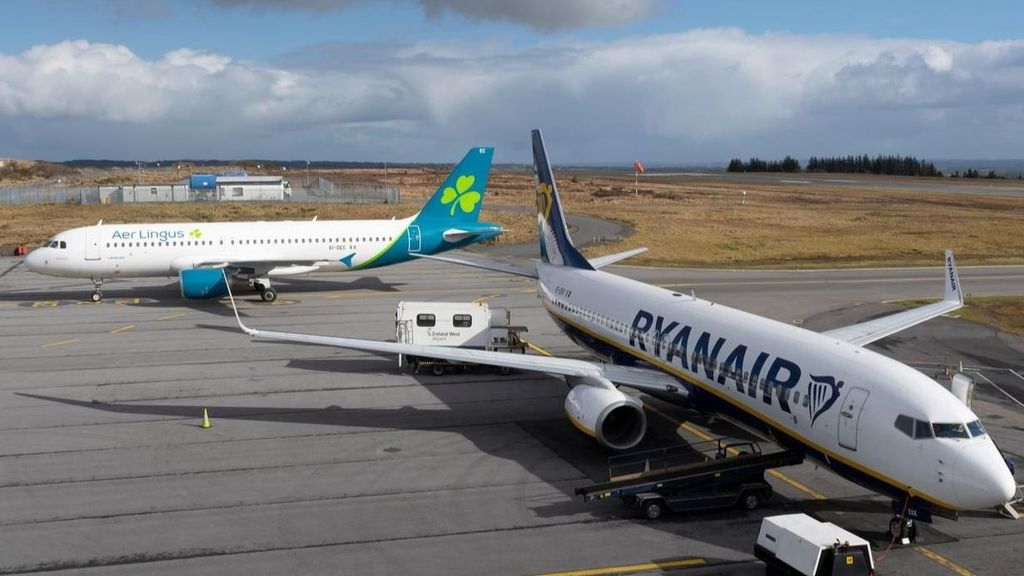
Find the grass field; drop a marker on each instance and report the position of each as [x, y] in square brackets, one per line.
[691, 222]
[1005, 313]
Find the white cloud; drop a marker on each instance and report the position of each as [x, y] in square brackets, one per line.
[697, 96]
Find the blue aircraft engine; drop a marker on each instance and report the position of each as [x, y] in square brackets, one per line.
[202, 283]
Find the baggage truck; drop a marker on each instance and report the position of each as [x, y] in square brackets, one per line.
[799, 544]
[456, 324]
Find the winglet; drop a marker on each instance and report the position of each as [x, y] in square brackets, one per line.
[953, 293]
[231, 297]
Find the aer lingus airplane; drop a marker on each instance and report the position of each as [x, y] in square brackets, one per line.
[869, 418]
[255, 252]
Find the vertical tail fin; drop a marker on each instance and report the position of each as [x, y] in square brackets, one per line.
[555, 245]
[460, 196]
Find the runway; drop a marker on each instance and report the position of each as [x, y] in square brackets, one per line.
[325, 461]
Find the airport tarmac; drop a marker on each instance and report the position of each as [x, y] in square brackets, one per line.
[326, 461]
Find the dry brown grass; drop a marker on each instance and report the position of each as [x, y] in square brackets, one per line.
[688, 222]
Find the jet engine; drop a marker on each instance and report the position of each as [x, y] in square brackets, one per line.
[609, 416]
[202, 283]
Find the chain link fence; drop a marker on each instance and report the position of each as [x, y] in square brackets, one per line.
[321, 190]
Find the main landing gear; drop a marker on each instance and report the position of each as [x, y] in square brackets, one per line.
[97, 286]
[267, 293]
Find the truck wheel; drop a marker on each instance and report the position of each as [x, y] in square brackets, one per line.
[504, 370]
[437, 369]
[652, 509]
[750, 500]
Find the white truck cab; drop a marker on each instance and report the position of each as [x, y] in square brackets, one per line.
[799, 544]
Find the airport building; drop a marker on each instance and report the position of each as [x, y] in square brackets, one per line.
[239, 188]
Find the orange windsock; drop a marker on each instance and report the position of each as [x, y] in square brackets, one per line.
[638, 166]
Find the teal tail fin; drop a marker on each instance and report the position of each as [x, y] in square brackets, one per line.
[460, 196]
[555, 244]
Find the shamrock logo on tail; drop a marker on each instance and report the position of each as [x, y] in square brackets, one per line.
[197, 233]
[467, 199]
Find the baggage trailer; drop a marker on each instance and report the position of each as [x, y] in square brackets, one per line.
[799, 544]
[715, 474]
[455, 324]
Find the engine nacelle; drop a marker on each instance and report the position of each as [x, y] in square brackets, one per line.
[609, 416]
[202, 283]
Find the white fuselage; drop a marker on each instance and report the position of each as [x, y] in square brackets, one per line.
[148, 250]
[837, 401]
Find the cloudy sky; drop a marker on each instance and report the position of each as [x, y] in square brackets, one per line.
[668, 82]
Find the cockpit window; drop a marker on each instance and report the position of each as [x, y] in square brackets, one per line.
[922, 429]
[953, 430]
[976, 428]
[905, 424]
[63, 244]
[53, 243]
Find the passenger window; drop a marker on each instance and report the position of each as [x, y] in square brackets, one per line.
[976, 429]
[462, 320]
[922, 429]
[425, 320]
[905, 424]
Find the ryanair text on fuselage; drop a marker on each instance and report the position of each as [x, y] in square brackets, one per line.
[670, 341]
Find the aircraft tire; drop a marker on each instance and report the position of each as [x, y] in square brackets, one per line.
[437, 369]
[268, 294]
[96, 297]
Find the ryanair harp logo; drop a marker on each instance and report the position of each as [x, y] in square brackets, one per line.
[822, 393]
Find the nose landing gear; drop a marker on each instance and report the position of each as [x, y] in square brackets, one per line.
[903, 529]
[97, 295]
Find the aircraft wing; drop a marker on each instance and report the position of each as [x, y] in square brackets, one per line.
[591, 373]
[602, 261]
[872, 330]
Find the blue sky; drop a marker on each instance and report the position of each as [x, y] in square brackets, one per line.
[408, 80]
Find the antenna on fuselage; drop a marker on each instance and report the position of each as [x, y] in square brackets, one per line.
[100, 223]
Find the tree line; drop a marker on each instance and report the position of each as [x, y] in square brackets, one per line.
[862, 164]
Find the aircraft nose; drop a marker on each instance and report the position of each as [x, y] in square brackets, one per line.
[983, 479]
[35, 260]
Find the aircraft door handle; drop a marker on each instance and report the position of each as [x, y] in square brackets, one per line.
[845, 414]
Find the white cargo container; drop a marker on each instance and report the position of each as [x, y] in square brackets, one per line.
[799, 544]
[456, 324]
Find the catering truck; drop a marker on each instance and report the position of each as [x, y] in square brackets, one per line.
[799, 544]
[458, 324]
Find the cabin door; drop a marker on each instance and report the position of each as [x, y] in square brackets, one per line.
[414, 238]
[849, 416]
[92, 245]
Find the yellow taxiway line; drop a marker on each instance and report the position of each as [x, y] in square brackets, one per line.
[482, 298]
[123, 329]
[943, 561]
[60, 343]
[646, 567]
[172, 316]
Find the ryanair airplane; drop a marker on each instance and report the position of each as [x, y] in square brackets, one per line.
[255, 252]
[869, 418]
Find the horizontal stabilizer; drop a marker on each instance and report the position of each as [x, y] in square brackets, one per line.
[602, 261]
[872, 330]
[491, 265]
